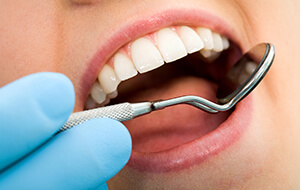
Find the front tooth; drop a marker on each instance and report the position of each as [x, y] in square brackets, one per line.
[97, 93]
[145, 55]
[218, 43]
[225, 42]
[124, 67]
[207, 38]
[191, 39]
[170, 45]
[108, 79]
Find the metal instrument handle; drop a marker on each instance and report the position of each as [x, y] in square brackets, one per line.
[120, 112]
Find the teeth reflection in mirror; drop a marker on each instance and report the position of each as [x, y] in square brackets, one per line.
[210, 55]
[108, 79]
[90, 103]
[191, 39]
[145, 55]
[207, 38]
[218, 42]
[123, 66]
[112, 95]
[250, 67]
[242, 78]
[97, 93]
[225, 42]
[170, 45]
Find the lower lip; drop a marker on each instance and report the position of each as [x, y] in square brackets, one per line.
[198, 150]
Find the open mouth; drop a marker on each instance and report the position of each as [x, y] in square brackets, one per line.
[171, 62]
[168, 45]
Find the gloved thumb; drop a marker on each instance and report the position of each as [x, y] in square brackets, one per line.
[83, 157]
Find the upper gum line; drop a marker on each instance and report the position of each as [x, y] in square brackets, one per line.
[125, 49]
[168, 44]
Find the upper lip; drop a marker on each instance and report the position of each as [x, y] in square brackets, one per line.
[143, 26]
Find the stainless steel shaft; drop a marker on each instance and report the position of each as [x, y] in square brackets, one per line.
[120, 112]
[127, 111]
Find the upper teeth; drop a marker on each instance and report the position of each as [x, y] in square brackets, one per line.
[145, 55]
[150, 52]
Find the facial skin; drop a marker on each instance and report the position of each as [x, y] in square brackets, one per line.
[64, 35]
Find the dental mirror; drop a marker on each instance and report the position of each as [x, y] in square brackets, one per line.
[246, 74]
[239, 81]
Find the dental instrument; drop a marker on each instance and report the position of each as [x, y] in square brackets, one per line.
[239, 81]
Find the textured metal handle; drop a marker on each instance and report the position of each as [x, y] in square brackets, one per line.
[120, 112]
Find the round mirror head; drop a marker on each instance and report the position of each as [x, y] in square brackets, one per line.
[245, 75]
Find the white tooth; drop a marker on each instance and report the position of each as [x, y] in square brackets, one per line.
[210, 55]
[107, 100]
[145, 55]
[124, 67]
[108, 79]
[90, 103]
[112, 95]
[225, 42]
[206, 53]
[170, 45]
[97, 93]
[207, 38]
[191, 39]
[218, 43]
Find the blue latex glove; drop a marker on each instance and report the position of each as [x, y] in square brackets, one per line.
[32, 109]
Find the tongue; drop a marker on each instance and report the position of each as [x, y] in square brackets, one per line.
[176, 125]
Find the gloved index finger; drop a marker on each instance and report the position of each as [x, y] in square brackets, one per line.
[32, 109]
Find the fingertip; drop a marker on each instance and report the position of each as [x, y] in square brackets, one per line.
[46, 94]
[32, 109]
[111, 142]
[54, 93]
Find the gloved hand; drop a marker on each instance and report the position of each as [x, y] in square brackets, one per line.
[34, 108]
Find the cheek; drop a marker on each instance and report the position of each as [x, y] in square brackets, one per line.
[279, 93]
[28, 38]
[279, 24]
